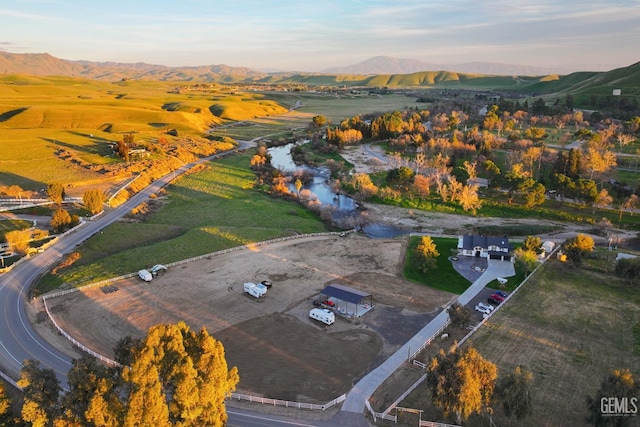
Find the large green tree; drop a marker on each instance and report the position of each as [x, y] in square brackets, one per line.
[514, 391]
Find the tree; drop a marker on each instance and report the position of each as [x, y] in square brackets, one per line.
[41, 390]
[5, 401]
[619, 384]
[469, 199]
[526, 259]
[18, 240]
[602, 200]
[514, 390]
[577, 247]
[55, 191]
[60, 220]
[461, 382]
[533, 243]
[178, 377]
[535, 196]
[459, 315]
[402, 176]
[92, 395]
[425, 254]
[93, 201]
[319, 121]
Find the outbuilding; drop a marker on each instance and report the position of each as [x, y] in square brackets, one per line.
[348, 301]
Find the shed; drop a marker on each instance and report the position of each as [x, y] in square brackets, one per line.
[350, 295]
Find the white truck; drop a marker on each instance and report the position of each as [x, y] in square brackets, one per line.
[254, 290]
[145, 275]
[323, 315]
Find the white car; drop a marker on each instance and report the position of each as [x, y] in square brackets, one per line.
[482, 309]
[485, 305]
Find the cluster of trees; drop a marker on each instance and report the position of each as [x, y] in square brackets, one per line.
[463, 383]
[173, 377]
[439, 147]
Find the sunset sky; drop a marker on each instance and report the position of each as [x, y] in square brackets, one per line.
[305, 35]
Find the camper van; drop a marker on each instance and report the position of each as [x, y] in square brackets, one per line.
[323, 315]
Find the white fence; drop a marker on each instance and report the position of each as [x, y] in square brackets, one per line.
[263, 400]
[288, 403]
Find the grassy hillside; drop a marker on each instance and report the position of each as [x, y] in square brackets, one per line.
[64, 125]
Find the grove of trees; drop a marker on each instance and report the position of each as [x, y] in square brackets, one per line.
[172, 377]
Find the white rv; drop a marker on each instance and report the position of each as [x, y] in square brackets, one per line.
[145, 275]
[323, 315]
[255, 290]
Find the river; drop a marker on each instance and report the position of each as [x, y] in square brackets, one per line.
[345, 206]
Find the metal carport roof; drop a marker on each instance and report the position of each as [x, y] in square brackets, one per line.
[345, 293]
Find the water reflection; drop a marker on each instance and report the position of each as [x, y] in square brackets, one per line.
[346, 209]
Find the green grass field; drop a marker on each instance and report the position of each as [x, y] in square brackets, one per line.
[444, 277]
[202, 213]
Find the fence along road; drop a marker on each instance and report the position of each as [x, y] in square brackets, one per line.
[18, 339]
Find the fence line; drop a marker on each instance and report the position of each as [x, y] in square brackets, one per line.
[515, 291]
[405, 394]
[263, 400]
[430, 340]
[288, 403]
[380, 415]
[434, 424]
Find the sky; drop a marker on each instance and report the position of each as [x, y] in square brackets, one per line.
[303, 35]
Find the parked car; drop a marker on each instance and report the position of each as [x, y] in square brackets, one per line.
[267, 283]
[501, 293]
[495, 299]
[328, 302]
[482, 309]
[485, 305]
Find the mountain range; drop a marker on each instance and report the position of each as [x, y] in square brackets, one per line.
[43, 64]
[391, 65]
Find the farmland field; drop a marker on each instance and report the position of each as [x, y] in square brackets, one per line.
[570, 328]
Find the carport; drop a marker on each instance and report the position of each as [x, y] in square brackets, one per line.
[349, 296]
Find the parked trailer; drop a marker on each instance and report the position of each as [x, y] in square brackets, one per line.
[323, 315]
[253, 290]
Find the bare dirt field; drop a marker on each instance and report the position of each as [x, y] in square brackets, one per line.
[279, 351]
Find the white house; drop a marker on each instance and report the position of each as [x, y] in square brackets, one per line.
[485, 247]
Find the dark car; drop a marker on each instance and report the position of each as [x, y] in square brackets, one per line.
[502, 294]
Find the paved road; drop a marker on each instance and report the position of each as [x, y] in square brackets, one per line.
[18, 340]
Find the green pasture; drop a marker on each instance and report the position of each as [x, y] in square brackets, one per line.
[557, 327]
[444, 277]
[204, 212]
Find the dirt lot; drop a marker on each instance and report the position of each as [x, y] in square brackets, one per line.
[278, 350]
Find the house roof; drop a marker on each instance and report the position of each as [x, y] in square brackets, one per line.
[473, 241]
[345, 293]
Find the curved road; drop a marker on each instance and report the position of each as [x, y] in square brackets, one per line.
[18, 340]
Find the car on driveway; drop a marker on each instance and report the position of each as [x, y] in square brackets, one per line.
[486, 306]
[482, 309]
[495, 299]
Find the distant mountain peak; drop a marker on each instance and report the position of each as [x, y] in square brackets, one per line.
[391, 65]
